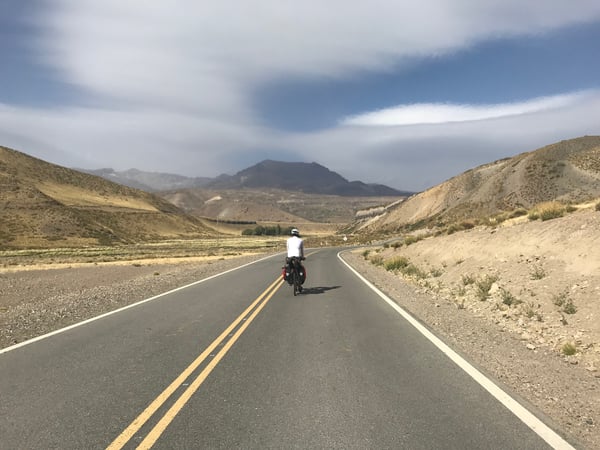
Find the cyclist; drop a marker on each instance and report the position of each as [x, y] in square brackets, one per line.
[295, 248]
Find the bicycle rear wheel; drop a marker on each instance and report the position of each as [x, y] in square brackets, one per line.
[296, 282]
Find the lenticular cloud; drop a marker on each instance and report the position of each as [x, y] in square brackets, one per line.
[438, 113]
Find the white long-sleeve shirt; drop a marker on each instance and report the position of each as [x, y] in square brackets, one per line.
[295, 247]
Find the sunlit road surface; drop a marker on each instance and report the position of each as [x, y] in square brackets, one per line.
[236, 361]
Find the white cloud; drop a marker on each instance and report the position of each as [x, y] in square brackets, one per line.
[175, 81]
[208, 56]
[419, 156]
[432, 113]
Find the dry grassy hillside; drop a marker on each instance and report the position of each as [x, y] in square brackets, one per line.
[43, 204]
[272, 205]
[568, 171]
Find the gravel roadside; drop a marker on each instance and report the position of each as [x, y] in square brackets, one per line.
[36, 302]
[566, 394]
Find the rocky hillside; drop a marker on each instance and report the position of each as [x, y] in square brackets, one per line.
[568, 171]
[45, 205]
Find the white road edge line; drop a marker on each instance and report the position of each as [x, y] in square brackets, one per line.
[528, 418]
[116, 311]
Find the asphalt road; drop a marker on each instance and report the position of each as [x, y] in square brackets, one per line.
[237, 361]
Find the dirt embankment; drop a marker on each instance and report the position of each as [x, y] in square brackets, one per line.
[521, 300]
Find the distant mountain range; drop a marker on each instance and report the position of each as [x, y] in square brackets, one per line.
[309, 178]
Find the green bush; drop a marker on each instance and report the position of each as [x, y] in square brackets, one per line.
[551, 214]
[538, 273]
[569, 307]
[453, 228]
[569, 349]
[396, 264]
[436, 273]
[508, 298]
[547, 211]
[377, 260]
[468, 279]
[484, 285]
[408, 240]
[560, 299]
[412, 270]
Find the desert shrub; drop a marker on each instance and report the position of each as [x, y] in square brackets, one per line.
[408, 240]
[412, 270]
[501, 218]
[377, 260]
[568, 349]
[598, 206]
[529, 309]
[570, 208]
[560, 299]
[569, 307]
[365, 253]
[547, 211]
[436, 273]
[565, 303]
[507, 297]
[396, 244]
[467, 279]
[549, 214]
[453, 228]
[538, 273]
[484, 285]
[396, 264]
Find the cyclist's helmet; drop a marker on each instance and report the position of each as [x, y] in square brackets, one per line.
[295, 232]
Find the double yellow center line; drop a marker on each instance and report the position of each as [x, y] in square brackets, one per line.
[246, 317]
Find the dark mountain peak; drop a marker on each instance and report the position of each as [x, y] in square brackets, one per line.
[310, 178]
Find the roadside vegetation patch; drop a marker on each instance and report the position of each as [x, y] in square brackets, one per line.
[538, 273]
[568, 349]
[396, 264]
[564, 302]
[547, 211]
[483, 286]
[508, 298]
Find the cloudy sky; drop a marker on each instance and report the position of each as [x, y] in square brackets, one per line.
[403, 93]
